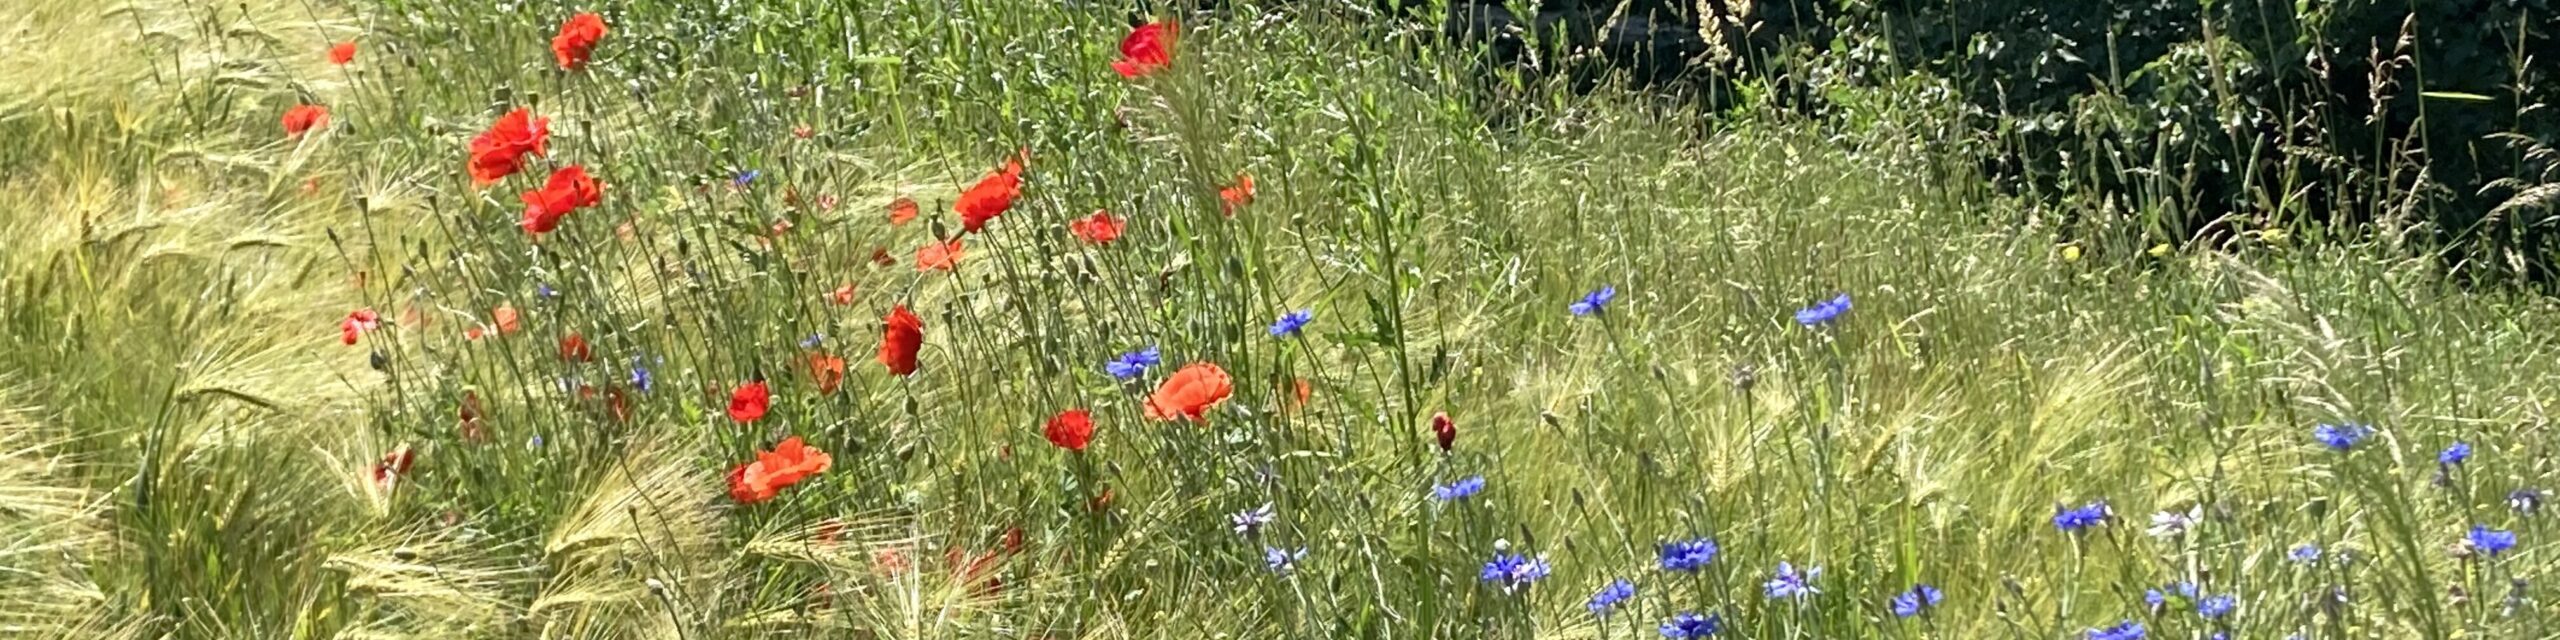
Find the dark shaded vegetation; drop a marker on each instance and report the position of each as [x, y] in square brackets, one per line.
[2182, 122]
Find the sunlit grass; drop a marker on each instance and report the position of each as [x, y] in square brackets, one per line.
[193, 452]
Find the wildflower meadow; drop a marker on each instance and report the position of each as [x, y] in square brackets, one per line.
[999, 319]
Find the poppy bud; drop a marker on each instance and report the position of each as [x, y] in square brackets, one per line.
[1444, 430]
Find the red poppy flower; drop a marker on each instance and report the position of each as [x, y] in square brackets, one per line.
[990, 197]
[772, 471]
[577, 40]
[356, 323]
[943, 256]
[749, 402]
[1190, 393]
[1299, 391]
[500, 151]
[502, 320]
[1070, 430]
[467, 416]
[568, 190]
[302, 118]
[978, 574]
[902, 334]
[830, 531]
[342, 53]
[1444, 430]
[573, 348]
[827, 371]
[821, 597]
[1236, 196]
[386, 473]
[1147, 49]
[890, 563]
[617, 404]
[843, 295]
[1099, 229]
[1100, 502]
[902, 210]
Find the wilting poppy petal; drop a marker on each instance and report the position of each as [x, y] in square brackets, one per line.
[843, 295]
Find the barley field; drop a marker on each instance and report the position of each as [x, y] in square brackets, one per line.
[1003, 319]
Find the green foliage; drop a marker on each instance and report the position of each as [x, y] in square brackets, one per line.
[2215, 118]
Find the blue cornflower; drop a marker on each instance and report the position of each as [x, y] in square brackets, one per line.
[544, 290]
[2074, 520]
[2454, 454]
[640, 377]
[1595, 302]
[2341, 436]
[1687, 555]
[1514, 570]
[1608, 597]
[1823, 312]
[813, 341]
[1289, 323]
[1686, 625]
[1790, 583]
[2217, 606]
[1459, 490]
[2157, 598]
[1133, 364]
[1251, 521]
[2305, 553]
[1920, 598]
[1282, 561]
[2490, 541]
[2127, 630]
[745, 177]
